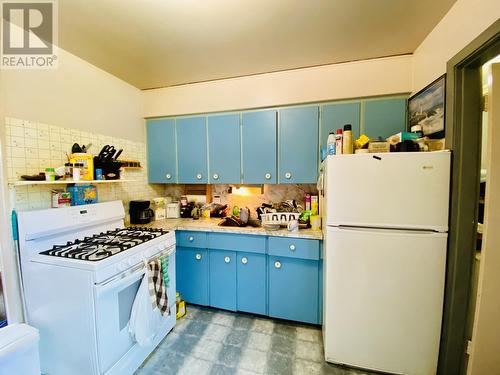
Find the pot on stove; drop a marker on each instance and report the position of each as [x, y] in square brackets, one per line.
[139, 211]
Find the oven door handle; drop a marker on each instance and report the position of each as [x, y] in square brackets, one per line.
[119, 280]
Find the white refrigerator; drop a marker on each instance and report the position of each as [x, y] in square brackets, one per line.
[384, 259]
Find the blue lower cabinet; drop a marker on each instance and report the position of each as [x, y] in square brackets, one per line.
[223, 279]
[293, 289]
[251, 283]
[192, 275]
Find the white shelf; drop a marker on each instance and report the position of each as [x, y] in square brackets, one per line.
[63, 182]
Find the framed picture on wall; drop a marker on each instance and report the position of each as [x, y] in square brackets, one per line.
[426, 108]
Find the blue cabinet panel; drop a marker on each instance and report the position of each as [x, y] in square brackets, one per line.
[223, 279]
[192, 150]
[191, 239]
[251, 283]
[259, 147]
[224, 149]
[192, 275]
[162, 155]
[293, 289]
[335, 116]
[237, 242]
[294, 247]
[385, 117]
[298, 145]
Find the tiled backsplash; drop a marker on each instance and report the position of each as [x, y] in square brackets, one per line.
[32, 147]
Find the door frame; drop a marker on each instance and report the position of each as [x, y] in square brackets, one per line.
[463, 136]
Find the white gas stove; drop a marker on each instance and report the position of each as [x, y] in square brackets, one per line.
[81, 269]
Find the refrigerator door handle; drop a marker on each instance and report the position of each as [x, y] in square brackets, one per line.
[385, 230]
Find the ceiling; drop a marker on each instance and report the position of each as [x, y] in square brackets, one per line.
[157, 43]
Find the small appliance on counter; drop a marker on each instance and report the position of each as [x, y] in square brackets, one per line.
[186, 209]
[159, 208]
[173, 210]
[140, 213]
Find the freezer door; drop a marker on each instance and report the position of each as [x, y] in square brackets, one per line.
[396, 190]
[383, 299]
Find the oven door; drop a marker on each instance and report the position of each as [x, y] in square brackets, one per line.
[114, 300]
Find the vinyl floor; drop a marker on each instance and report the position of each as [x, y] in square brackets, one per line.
[209, 341]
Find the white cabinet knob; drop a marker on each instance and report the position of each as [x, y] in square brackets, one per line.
[199, 176]
[267, 176]
[277, 265]
[215, 176]
[292, 247]
[288, 175]
[227, 259]
[244, 260]
[168, 176]
[197, 256]
[191, 238]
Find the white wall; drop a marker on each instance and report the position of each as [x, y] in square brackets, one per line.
[462, 24]
[76, 95]
[330, 82]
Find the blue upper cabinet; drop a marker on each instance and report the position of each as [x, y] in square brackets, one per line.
[162, 159]
[335, 116]
[298, 145]
[385, 117]
[192, 150]
[259, 147]
[224, 149]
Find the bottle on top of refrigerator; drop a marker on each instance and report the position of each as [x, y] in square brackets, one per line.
[330, 144]
[338, 142]
[347, 139]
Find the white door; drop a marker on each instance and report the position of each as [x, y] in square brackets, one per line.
[396, 190]
[383, 299]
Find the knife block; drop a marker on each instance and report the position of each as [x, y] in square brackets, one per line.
[110, 169]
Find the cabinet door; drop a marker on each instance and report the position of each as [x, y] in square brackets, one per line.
[192, 150]
[223, 279]
[224, 149]
[293, 289]
[385, 117]
[259, 147]
[192, 275]
[162, 156]
[251, 285]
[335, 116]
[298, 145]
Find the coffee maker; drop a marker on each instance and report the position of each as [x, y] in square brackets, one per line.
[140, 213]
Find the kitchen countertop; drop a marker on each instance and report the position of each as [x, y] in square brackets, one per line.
[210, 225]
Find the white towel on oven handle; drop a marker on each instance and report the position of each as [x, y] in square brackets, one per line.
[144, 320]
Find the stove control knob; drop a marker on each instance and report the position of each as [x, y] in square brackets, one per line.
[162, 247]
[121, 267]
[131, 262]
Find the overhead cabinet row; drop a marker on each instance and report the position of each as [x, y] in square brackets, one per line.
[255, 147]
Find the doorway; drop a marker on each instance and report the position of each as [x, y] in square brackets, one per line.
[464, 137]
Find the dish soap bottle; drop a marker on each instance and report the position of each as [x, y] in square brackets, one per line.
[330, 144]
[347, 139]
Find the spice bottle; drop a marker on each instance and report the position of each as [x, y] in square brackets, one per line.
[347, 139]
[77, 171]
[68, 172]
[338, 142]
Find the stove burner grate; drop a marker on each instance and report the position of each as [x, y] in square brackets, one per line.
[103, 245]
